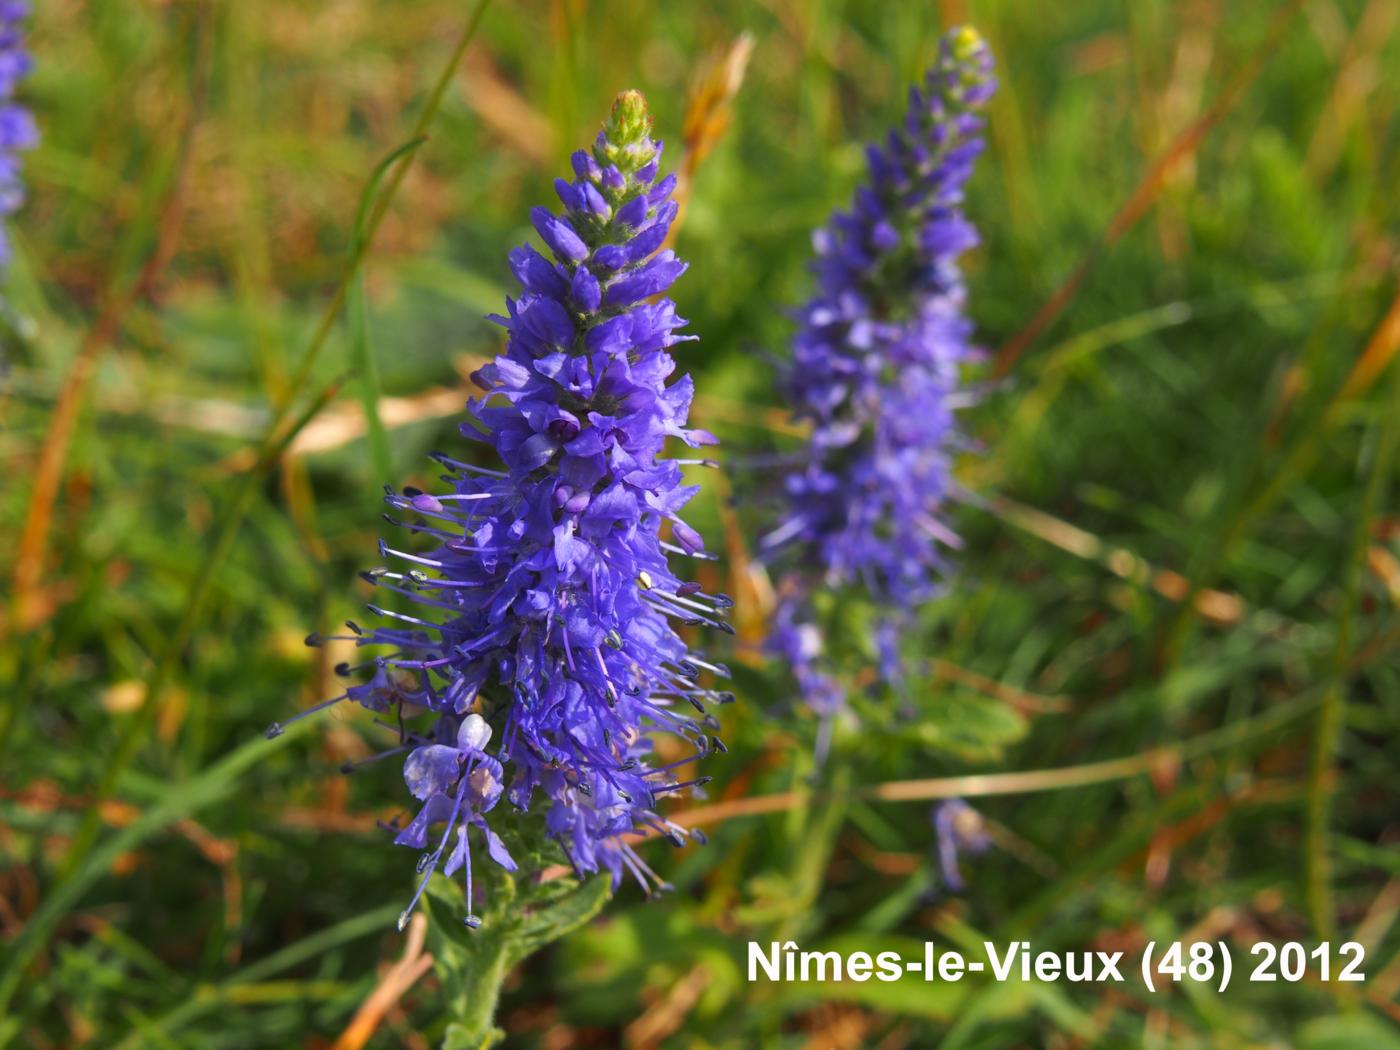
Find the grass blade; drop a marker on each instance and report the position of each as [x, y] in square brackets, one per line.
[72, 881]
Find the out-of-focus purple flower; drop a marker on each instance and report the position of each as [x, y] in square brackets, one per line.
[958, 828]
[17, 129]
[874, 372]
[544, 609]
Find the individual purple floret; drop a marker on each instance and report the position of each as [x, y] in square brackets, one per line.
[543, 612]
[958, 828]
[17, 129]
[874, 373]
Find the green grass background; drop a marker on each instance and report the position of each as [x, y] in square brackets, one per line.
[1189, 413]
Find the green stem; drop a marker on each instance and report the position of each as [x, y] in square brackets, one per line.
[1331, 717]
[519, 920]
[367, 364]
[475, 1025]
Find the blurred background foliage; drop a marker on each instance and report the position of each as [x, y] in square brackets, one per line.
[1182, 544]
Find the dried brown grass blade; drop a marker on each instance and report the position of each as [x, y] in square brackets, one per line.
[708, 112]
[664, 1017]
[504, 110]
[1142, 198]
[53, 453]
[1220, 607]
[1358, 69]
[402, 976]
[1380, 350]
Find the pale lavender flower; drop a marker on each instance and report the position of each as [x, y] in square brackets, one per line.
[958, 829]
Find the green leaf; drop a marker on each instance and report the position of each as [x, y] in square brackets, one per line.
[363, 359]
[517, 922]
[566, 914]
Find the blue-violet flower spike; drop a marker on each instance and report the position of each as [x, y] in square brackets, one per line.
[17, 129]
[544, 607]
[874, 373]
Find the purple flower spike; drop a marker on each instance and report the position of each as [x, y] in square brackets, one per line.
[543, 611]
[17, 128]
[874, 373]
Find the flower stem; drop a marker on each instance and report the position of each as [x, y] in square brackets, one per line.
[475, 1026]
